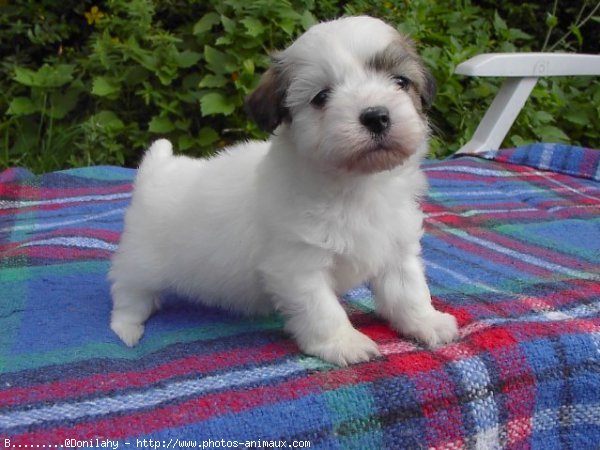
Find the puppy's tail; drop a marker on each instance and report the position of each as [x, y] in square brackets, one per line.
[160, 150]
[156, 157]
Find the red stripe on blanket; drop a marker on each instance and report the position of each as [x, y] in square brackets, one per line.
[53, 253]
[23, 192]
[517, 305]
[437, 394]
[545, 254]
[414, 364]
[106, 382]
[474, 248]
[194, 410]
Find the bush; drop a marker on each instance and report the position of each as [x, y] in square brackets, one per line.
[113, 79]
[89, 83]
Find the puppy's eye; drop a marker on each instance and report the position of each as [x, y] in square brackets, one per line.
[321, 98]
[402, 82]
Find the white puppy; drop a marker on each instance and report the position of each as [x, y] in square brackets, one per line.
[329, 202]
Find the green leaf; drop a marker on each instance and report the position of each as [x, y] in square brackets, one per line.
[288, 25]
[253, 26]
[62, 104]
[248, 65]
[187, 58]
[105, 87]
[135, 75]
[218, 61]
[596, 97]
[166, 74]
[206, 23]
[307, 20]
[185, 142]
[516, 34]
[551, 20]
[213, 81]
[46, 77]
[160, 124]
[517, 140]
[24, 76]
[289, 13]
[228, 24]
[543, 116]
[146, 58]
[577, 116]
[108, 120]
[191, 81]
[499, 23]
[550, 133]
[215, 103]
[183, 124]
[223, 40]
[21, 106]
[577, 32]
[188, 96]
[208, 136]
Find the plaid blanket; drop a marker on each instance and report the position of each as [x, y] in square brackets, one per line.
[512, 249]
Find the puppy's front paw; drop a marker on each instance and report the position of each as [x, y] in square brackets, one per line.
[435, 329]
[347, 346]
[130, 333]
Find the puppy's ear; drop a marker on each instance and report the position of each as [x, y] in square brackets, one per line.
[266, 104]
[430, 89]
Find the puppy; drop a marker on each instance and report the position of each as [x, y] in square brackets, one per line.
[329, 202]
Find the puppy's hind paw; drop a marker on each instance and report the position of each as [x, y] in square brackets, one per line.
[348, 346]
[130, 333]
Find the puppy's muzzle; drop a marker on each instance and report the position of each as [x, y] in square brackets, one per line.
[376, 119]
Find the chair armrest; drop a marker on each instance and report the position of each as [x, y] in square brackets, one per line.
[529, 65]
[522, 71]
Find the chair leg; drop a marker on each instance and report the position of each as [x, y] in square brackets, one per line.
[500, 116]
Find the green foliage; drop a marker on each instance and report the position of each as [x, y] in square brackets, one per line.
[112, 79]
[86, 83]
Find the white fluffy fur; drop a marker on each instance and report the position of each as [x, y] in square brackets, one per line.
[288, 224]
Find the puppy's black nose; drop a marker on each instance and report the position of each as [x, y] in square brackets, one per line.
[376, 119]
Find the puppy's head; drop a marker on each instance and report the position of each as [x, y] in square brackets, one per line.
[351, 93]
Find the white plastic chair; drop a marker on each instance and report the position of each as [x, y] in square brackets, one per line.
[522, 71]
